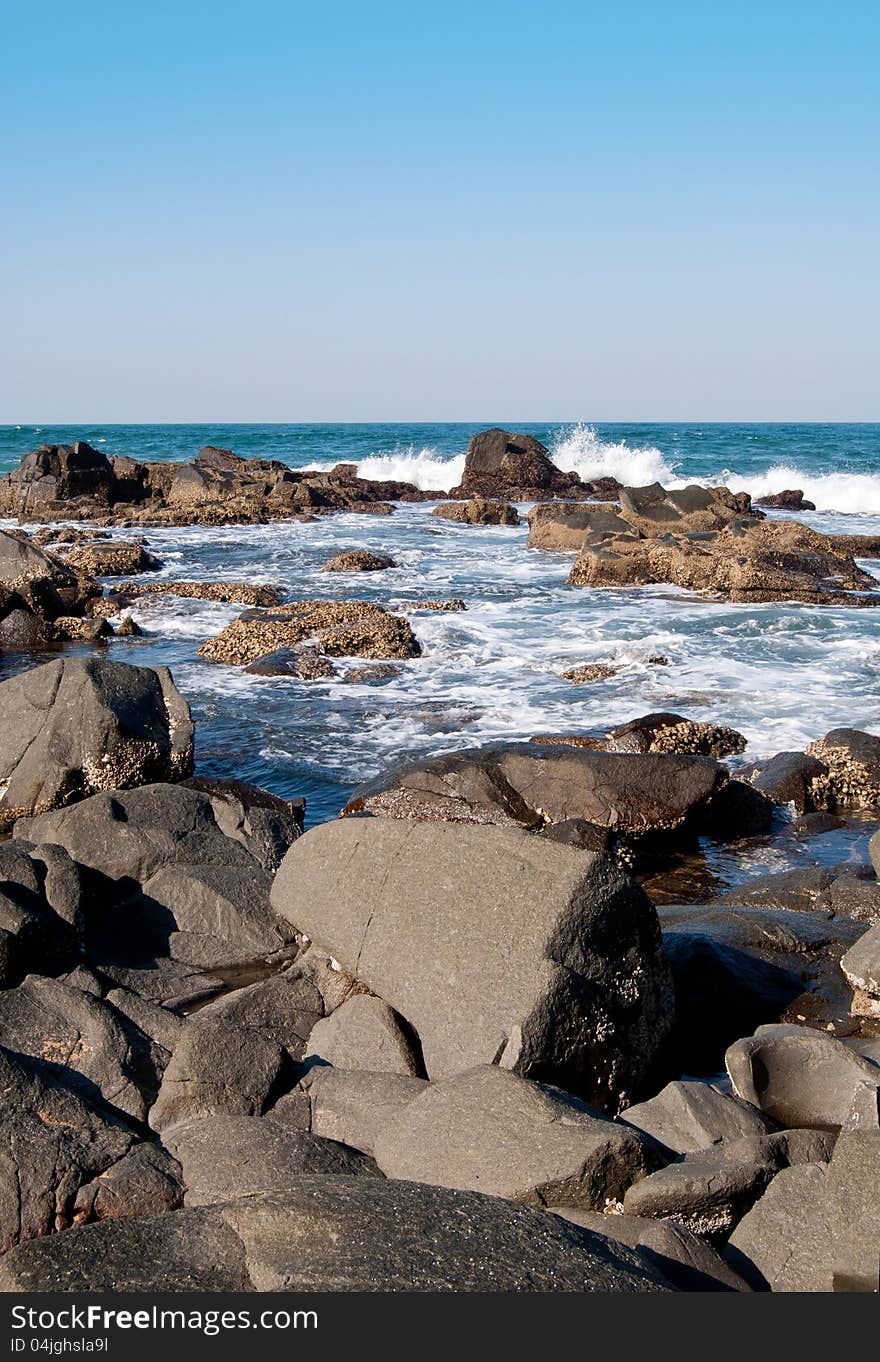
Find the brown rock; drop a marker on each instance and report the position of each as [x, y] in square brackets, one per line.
[478, 511]
[359, 560]
[340, 628]
[238, 593]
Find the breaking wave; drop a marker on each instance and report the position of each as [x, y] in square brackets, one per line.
[579, 449]
[847, 493]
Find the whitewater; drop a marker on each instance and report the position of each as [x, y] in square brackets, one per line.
[581, 450]
[780, 674]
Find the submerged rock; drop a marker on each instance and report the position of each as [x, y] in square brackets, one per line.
[339, 628]
[115, 559]
[478, 511]
[448, 606]
[359, 560]
[304, 663]
[238, 593]
[589, 671]
[746, 561]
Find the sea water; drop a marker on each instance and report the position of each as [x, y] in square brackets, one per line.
[781, 674]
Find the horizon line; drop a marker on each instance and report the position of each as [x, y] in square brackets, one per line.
[38, 426]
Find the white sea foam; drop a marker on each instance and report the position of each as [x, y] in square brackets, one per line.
[578, 449]
[848, 493]
[575, 449]
[426, 468]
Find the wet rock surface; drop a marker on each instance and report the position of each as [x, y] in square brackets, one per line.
[217, 488]
[478, 511]
[339, 629]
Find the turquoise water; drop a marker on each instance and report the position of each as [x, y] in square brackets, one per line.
[843, 461]
[782, 674]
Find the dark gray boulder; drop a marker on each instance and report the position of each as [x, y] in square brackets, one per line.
[41, 911]
[220, 1068]
[789, 778]
[133, 834]
[145, 1181]
[848, 892]
[82, 1041]
[75, 726]
[231, 1156]
[169, 880]
[490, 1131]
[861, 966]
[21, 631]
[493, 945]
[162, 982]
[332, 1233]
[54, 1143]
[285, 1008]
[219, 913]
[687, 1262]
[798, 1076]
[721, 993]
[536, 785]
[817, 1227]
[160, 1024]
[710, 1191]
[364, 1033]
[349, 1105]
[192, 1250]
[685, 1117]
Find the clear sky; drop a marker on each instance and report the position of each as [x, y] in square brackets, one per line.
[425, 211]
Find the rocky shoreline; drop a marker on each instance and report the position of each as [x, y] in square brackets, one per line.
[452, 1039]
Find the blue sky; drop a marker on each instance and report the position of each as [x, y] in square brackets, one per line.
[437, 212]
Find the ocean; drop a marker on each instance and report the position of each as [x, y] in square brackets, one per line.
[781, 674]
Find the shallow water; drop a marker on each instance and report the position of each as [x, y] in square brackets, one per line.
[782, 675]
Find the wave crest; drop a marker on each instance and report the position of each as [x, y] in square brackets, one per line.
[579, 449]
[574, 449]
[846, 493]
[426, 468]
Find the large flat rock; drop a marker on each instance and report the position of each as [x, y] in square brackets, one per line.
[495, 946]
